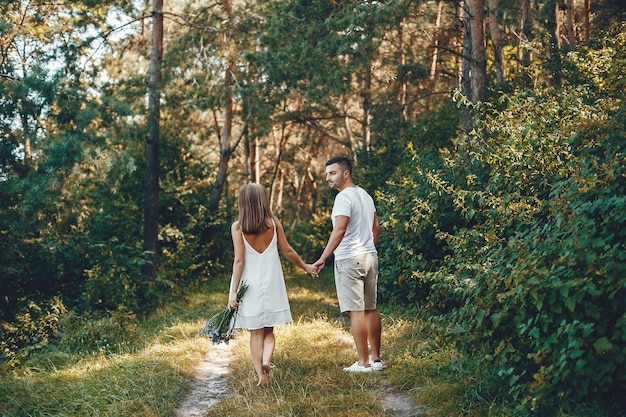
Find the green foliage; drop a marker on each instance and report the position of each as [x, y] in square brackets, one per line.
[88, 334]
[30, 331]
[519, 234]
[414, 208]
[40, 329]
[115, 279]
[309, 239]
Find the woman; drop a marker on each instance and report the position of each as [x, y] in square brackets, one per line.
[257, 237]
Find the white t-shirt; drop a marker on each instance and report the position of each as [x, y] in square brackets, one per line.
[357, 204]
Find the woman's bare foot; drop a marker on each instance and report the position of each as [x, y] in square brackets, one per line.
[266, 378]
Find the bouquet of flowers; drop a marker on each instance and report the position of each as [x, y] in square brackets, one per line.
[220, 327]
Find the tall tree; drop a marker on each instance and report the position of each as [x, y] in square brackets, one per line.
[433, 65]
[478, 61]
[151, 204]
[474, 75]
[554, 53]
[569, 22]
[587, 20]
[525, 34]
[496, 41]
[226, 149]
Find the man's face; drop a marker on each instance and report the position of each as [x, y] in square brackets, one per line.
[335, 176]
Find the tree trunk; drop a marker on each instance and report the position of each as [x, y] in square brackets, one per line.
[257, 159]
[278, 189]
[280, 145]
[587, 20]
[497, 42]
[478, 67]
[474, 79]
[367, 98]
[247, 159]
[569, 23]
[225, 153]
[225, 138]
[306, 179]
[464, 83]
[433, 64]
[306, 175]
[526, 31]
[402, 81]
[554, 63]
[151, 204]
[28, 153]
[458, 42]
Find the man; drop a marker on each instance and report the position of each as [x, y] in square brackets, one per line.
[353, 241]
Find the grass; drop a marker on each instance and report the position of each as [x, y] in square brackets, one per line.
[150, 374]
[147, 377]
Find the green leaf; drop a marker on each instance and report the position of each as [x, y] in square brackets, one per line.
[602, 345]
[570, 303]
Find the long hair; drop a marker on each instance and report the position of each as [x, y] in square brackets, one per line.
[254, 209]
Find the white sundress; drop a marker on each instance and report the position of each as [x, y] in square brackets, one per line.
[265, 302]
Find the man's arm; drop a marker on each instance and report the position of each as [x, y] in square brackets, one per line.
[339, 231]
[375, 229]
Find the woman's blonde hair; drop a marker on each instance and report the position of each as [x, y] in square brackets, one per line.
[254, 209]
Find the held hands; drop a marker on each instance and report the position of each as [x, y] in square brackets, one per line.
[319, 265]
[312, 270]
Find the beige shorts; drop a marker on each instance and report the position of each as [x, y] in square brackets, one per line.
[356, 279]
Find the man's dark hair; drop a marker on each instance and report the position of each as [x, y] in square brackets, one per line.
[343, 162]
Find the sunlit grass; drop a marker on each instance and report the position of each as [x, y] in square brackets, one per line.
[308, 375]
[151, 375]
[141, 383]
[146, 378]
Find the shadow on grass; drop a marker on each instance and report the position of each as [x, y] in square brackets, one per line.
[308, 376]
[148, 382]
[311, 298]
[309, 358]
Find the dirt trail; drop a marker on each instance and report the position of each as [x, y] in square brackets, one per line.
[399, 404]
[209, 387]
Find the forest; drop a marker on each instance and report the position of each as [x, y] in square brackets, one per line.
[491, 133]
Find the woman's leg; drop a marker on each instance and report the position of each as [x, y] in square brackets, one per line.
[268, 351]
[269, 342]
[257, 337]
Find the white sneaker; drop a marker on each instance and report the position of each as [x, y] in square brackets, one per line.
[356, 368]
[377, 365]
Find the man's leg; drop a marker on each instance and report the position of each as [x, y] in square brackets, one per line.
[372, 320]
[370, 293]
[358, 326]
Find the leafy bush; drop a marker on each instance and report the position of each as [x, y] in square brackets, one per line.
[31, 330]
[412, 207]
[519, 233]
[547, 306]
[92, 333]
[39, 330]
[115, 279]
[309, 239]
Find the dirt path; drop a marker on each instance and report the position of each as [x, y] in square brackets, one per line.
[209, 387]
[399, 404]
